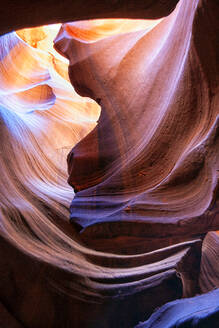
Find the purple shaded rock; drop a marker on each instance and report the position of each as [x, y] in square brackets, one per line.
[197, 312]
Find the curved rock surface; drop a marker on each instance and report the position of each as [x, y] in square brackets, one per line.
[18, 14]
[209, 271]
[145, 175]
[153, 157]
[197, 312]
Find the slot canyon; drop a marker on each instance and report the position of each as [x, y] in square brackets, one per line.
[109, 161]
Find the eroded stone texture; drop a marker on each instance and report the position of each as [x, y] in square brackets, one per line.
[153, 157]
[209, 274]
[197, 312]
[146, 176]
[124, 291]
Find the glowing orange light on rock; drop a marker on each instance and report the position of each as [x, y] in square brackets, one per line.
[93, 30]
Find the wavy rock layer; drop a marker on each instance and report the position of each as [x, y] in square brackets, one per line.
[200, 311]
[41, 254]
[145, 175]
[209, 273]
[153, 157]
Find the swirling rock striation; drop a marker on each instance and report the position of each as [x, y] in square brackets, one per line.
[153, 157]
[209, 271]
[145, 175]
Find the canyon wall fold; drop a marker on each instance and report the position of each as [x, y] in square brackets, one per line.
[153, 157]
[138, 102]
